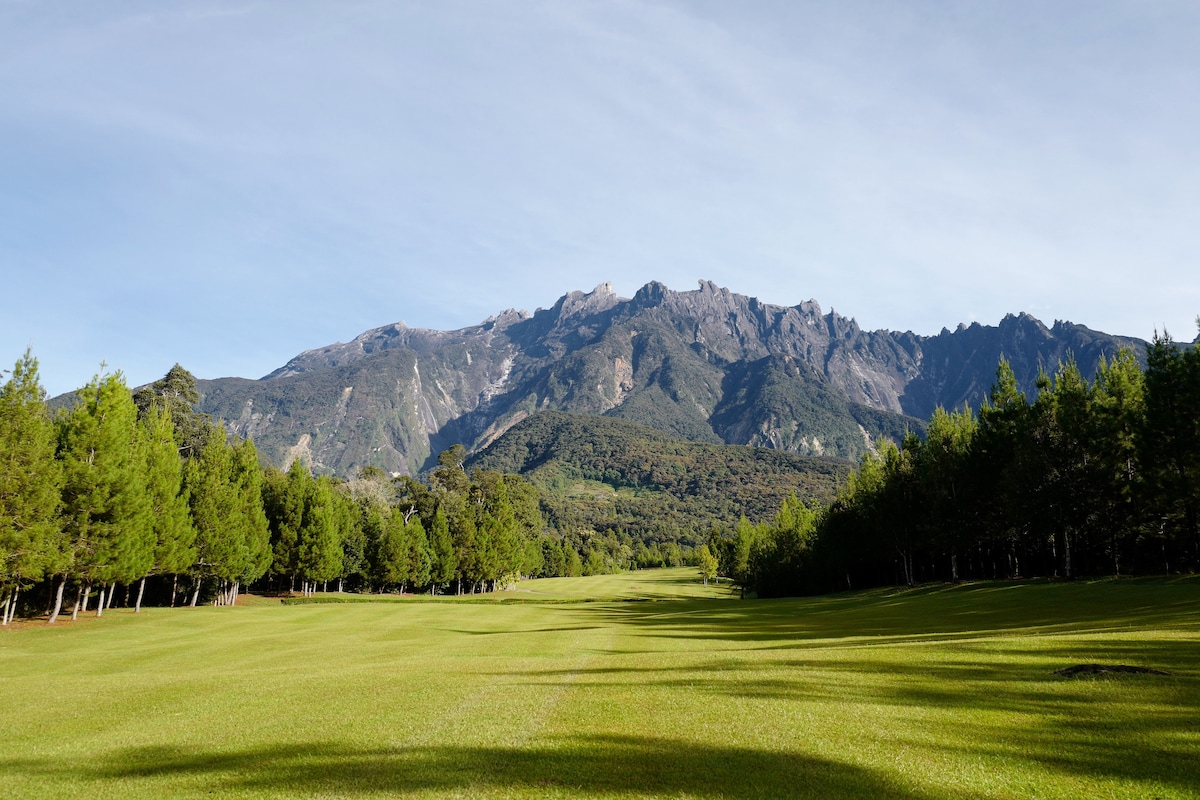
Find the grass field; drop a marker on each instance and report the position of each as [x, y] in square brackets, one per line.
[927, 693]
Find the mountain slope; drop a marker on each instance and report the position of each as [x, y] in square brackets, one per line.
[707, 365]
[603, 473]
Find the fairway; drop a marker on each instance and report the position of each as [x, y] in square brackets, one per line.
[927, 693]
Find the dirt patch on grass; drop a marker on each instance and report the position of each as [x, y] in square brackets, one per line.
[1107, 669]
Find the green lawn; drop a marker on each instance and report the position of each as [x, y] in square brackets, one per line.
[935, 692]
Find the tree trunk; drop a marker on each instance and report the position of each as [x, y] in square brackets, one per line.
[174, 587]
[112, 591]
[58, 598]
[87, 593]
[141, 589]
[195, 590]
[4, 612]
[100, 601]
[78, 601]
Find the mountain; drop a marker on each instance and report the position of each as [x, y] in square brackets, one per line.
[706, 365]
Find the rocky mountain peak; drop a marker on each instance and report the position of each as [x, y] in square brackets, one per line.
[707, 364]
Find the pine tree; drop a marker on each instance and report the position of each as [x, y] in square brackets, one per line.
[254, 534]
[211, 498]
[441, 547]
[106, 508]
[420, 562]
[30, 486]
[170, 519]
[320, 546]
[284, 499]
[1170, 444]
[176, 394]
[1119, 411]
[391, 561]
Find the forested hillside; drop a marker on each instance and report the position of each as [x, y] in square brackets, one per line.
[603, 474]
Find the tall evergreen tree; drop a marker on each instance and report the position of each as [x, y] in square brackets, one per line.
[30, 486]
[106, 508]
[284, 498]
[176, 394]
[441, 547]
[170, 519]
[944, 474]
[1170, 444]
[232, 535]
[1119, 407]
[320, 544]
[254, 556]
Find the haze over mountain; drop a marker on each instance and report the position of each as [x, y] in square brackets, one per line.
[707, 365]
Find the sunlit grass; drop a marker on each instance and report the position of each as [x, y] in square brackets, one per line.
[936, 692]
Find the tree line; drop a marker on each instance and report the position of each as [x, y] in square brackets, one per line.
[1099, 478]
[136, 494]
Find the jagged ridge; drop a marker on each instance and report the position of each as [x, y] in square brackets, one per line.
[709, 365]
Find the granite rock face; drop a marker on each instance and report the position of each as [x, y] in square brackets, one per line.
[709, 365]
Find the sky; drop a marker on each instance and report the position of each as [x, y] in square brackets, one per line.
[225, 184]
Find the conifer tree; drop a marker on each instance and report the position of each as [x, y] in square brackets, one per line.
[254, 556]
[420, 562]
[211, 498]
[106, 508]
[1170, 444]
[232, 536]
[392, 555]
[176, 394]
[441, 547]
[30, 486]
[170, 518]
[1119, 410]
[320, 546]
[284, 497]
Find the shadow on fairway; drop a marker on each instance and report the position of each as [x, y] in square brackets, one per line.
[1002, 692]
[924, 613]
[582, 766]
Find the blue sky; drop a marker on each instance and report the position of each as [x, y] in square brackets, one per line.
[226, 184]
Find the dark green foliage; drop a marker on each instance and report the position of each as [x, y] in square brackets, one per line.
[1170, 444]
[171, 524]
[106, 509]
[175, 394]
[1088, 479]
[30, 483]
[232, 534]
[656, 486]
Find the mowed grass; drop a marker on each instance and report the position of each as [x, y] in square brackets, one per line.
[929, 693]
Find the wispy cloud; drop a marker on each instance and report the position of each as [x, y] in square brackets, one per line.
[246, 180]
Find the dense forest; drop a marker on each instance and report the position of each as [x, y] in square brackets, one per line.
[614, 475]
[136, 495]
[1085, 479]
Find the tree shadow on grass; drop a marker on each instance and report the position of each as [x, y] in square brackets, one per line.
[925, 612]
[580, 766]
